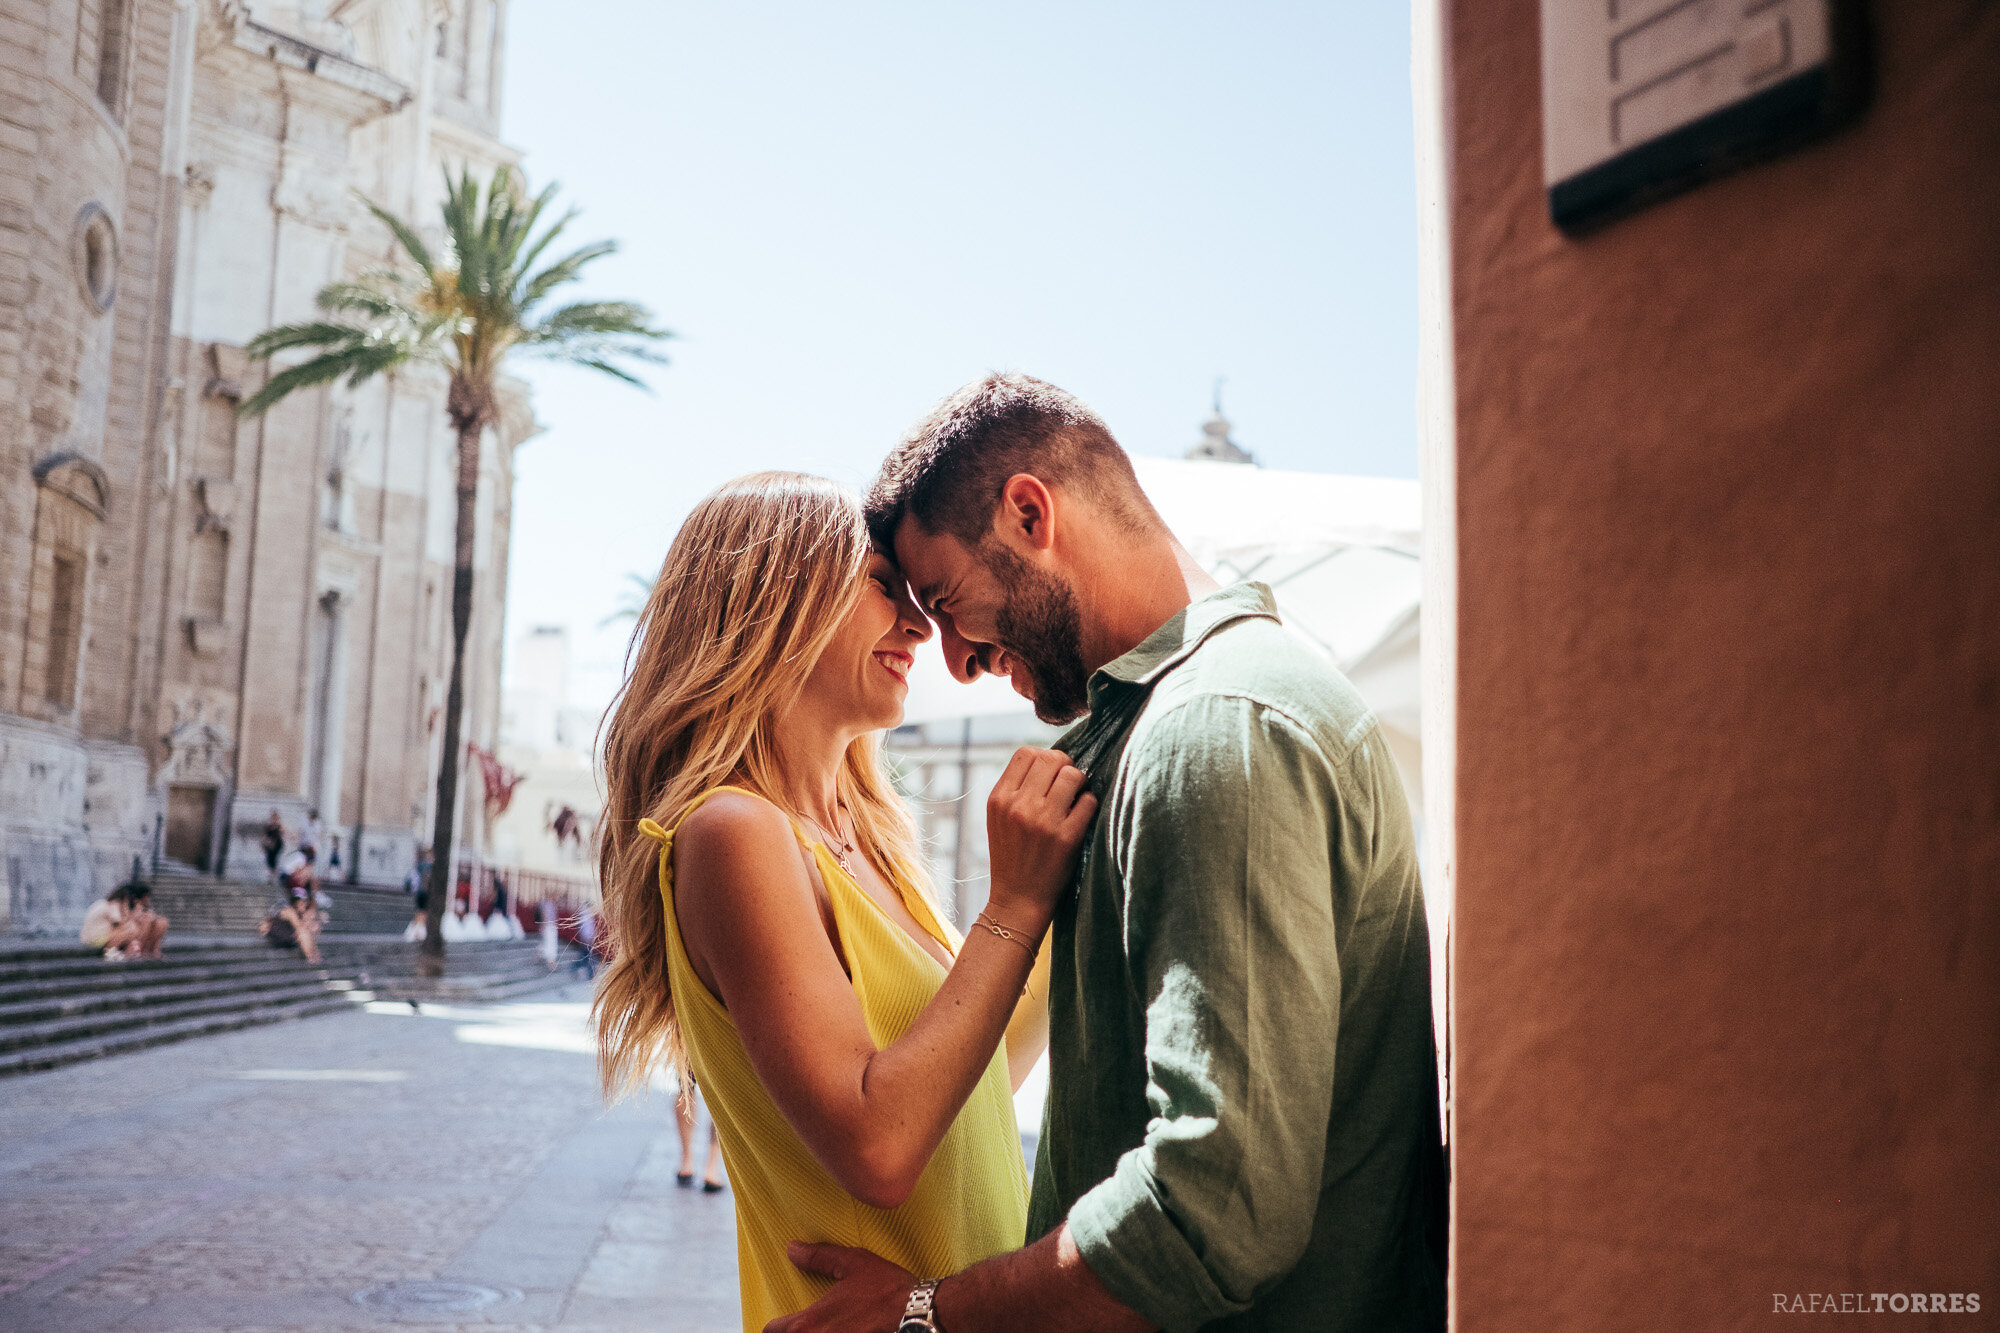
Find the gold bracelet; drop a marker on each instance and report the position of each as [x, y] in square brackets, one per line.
[1019, 937]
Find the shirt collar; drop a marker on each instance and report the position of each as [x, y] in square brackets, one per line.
[1172, 643]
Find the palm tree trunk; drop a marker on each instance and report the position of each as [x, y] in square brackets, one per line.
[430, 958]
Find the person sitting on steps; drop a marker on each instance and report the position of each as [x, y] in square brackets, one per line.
[124, 924]
[295, 924]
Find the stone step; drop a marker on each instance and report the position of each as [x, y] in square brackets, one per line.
[114, 978]
[238, 906]
[50, 1008]
[64, 1030]
[34, 949]
[57, 1054]
[95, 966]
[475, 970]
[368, 911]
[394, 942]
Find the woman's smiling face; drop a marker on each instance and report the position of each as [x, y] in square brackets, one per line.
[863, 676]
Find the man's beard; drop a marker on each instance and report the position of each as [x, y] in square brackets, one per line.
[1041, 631]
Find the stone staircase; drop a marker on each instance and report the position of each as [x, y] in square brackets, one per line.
[62, 1003]
[474, 971]
[212, 905]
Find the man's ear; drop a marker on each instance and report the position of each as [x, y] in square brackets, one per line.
[1027, 516]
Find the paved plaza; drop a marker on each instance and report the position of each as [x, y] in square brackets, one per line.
[450, 1168]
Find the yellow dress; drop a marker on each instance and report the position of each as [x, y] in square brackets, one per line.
[971, 1201]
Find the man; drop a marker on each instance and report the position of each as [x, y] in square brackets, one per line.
[1242, 1122]
[313, 838]
[295, 871]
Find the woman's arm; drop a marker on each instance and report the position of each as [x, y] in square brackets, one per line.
[752, 926]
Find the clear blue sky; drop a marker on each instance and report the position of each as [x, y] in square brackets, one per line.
[844, 212]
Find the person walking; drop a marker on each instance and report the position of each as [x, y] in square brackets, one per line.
[551, 944]
[415, 884]
[586, 936]
[313, 838]
[686, 1106]
[273, 843]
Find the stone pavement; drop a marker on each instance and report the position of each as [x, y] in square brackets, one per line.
[365, 1170]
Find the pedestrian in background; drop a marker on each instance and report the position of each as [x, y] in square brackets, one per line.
[312, 838]
[273, 842]
[416, 885]
[545, 916]
[685, 1107]
[295, 925]
[586, 935]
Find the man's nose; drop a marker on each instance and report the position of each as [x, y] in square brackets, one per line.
[959, 655]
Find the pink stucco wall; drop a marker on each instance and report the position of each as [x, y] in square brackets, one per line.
[1727, 943]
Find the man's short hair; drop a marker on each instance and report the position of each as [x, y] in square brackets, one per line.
[949, 471]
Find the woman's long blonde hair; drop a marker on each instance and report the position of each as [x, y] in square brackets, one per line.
[759, 580]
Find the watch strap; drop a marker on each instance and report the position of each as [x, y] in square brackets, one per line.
[920, 1314]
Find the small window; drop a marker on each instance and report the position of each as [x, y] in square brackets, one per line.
[65, 629]
[97, 257]
[112, 43]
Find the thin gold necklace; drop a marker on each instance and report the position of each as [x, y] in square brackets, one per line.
[828, 840]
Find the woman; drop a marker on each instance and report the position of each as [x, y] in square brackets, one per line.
[761, 883]
[296, 923]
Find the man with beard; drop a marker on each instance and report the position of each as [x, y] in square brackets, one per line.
[1242, 1121]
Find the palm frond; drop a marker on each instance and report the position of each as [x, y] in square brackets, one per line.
[290, 337]
[371, 359]
[601, 318]
[527, 216]
[600, 364]
[522, 262]
[637, 594]
[468, 304]
[365, 298]
[356, 362]
[406, 235]
[563, 270]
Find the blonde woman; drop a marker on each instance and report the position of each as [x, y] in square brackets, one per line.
[763, 888]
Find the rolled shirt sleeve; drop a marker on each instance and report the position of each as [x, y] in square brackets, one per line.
[1224, 833]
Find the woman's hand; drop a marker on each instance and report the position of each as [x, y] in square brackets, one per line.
[1036, 820]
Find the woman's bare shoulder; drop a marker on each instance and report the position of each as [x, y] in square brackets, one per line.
[735, 838]
[733, 821]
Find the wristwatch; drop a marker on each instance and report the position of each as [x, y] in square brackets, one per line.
[919, 1316]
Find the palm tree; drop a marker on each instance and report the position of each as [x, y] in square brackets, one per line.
[638, 588]
[465, 309]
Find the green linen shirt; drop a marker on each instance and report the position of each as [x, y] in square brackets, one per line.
[1242, 1119]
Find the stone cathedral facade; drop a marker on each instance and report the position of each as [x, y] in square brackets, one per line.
[202, 618]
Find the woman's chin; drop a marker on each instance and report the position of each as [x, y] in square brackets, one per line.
[889, 715]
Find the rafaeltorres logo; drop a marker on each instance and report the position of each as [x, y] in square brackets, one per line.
[1876, 1302]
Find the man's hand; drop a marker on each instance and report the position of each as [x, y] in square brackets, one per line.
[867, 1296]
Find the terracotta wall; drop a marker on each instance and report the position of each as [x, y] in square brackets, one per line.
[1727, 1006]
